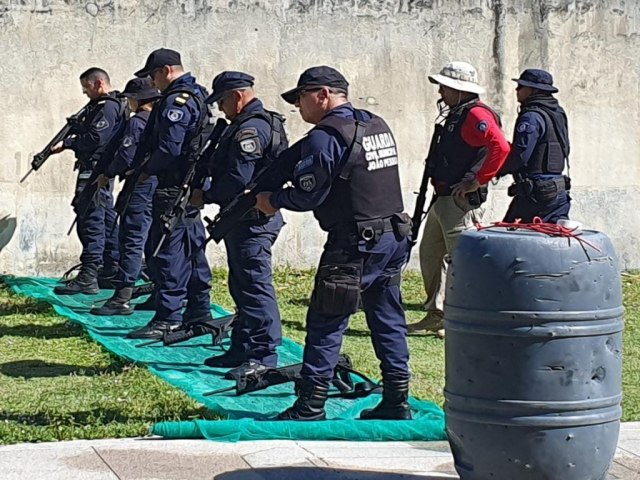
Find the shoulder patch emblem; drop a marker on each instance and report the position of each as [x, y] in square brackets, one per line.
[101, 125]
[482, 126]
[307, 182]
[249, 146]
[175, 115]
[246, 133]
[303, 164]
[127, 141]
[523, 127]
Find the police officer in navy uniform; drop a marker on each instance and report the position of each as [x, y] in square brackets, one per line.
[251, 142]
[181, 267]
[346, 172]
[102, 123]
[136, 220]
[539, 153]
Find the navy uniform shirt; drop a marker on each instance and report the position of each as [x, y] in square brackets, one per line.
[238, 156]
[530, 127]
[123, 158]
[176, 119]
[321, 157]
[104, 119]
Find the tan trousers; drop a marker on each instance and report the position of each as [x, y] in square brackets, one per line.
[447, 219]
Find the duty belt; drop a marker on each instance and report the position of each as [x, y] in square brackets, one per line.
[367, 230]
[525, 186]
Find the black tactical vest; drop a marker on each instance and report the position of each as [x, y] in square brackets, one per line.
[552, 148]
[277, 144]
[368, 186]
[454, 157]
[106, 150]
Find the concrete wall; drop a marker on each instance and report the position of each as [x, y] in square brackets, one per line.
[385, 48]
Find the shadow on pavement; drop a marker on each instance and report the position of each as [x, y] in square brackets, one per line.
[324, 473]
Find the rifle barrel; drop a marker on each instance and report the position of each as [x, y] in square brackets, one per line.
[31, 170]
[73, 224]
[160, 243]
[150, 342]
[222, 390]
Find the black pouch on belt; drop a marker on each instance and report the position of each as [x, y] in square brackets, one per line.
[337, 289]
[546, 191]
[401, 224]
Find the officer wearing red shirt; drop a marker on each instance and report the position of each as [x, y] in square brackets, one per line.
[469, 152]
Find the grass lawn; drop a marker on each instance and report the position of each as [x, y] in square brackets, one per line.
[57, 384]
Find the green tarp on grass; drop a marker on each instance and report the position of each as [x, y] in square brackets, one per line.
[182, 366]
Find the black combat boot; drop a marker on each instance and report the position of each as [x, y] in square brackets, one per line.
[394, 404]
[107, 276]
[309, 405]
[118, 304]
[154, 330]
[232, 358]
[86, 282]
[148, 305]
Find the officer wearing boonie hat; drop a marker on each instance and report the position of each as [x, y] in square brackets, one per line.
[469, 149]
[136, 220]
[355, 195]
[253, 140]
[141, 90]
[539, 153]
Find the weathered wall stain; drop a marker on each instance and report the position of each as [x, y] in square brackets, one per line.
[386, 48]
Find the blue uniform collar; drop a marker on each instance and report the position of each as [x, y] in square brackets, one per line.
[254, 105]
[344, 110]
[184, 80]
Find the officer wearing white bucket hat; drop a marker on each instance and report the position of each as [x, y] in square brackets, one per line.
[470, 148]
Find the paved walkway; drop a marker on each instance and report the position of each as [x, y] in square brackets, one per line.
[146, 459]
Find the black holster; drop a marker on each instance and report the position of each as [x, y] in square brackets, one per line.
[478, 197]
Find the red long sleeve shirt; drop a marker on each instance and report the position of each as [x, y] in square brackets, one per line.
[481, 129]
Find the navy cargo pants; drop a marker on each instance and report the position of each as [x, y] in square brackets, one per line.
[180, 269]
[258, 330]
[96, 227]
[377, 271]
[134, 230]
[548, 202]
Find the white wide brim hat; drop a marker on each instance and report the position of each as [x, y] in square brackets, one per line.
[459, 76]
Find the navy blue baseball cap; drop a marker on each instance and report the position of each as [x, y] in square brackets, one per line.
[226, 81]
[141, 89]
[158, 59]
[321, 76]
[536, 78]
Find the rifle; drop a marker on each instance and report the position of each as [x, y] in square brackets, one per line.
[218, 328]
[82, 203]
[71, 126]
[170, 219]
[263, 377]
[273, 175]
[419, 212]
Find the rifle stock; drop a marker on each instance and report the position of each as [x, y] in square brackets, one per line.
[272, 176]
[218, 328]
[265, 377]
[419, 211]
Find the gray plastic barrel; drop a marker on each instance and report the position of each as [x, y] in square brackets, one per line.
[533, 356]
